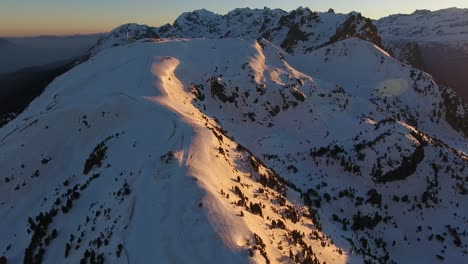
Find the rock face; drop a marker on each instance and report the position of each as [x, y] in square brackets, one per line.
[232, 150]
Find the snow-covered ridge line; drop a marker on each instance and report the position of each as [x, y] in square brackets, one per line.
[448, 26]
[298, 31]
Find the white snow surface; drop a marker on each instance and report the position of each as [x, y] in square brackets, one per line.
[198, 134]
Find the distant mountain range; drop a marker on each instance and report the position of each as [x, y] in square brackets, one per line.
[259, 136]
[436, 42]
[299, 31]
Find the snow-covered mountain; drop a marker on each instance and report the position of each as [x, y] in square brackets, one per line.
[434, 41]
[447, 26]
[299, 31]
[235, 149]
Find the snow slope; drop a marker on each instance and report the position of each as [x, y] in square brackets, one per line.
[220, 149]
[161, 182]
[160, 150]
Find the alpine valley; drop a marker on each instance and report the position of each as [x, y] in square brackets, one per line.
[259, 136]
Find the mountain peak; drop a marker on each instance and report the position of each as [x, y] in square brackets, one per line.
[300, 30]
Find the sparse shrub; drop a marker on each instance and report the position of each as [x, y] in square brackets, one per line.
[255, 208]
[95, 158]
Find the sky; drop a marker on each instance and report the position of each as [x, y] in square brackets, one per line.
[68, 17]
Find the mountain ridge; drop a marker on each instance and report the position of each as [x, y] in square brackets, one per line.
[179, 149]
[300, 30]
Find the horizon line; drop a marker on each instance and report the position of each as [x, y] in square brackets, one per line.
[218, 13]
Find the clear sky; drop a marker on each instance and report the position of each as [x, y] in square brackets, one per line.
[64, 17]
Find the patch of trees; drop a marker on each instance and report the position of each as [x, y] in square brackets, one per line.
[166, 158]
[123, 191]
[72, 194]
[292, 214]
[361, 222]
[242, 199]
[307, 255]
[93, 177]
[278, 224]
[46, 160]
[218, 132]
[343, 221]
[456, 237]
[332, 151]
[432, 189]
[270, 179]
[218, 90]
[275, 181]
[256, 209]
[241, 148]
[293, 169]
[408, 165]
[91, 257]
[260, 88]
[375, 198]
[67, 250]
[95, 158]
[97, 155]
[260, 246]
[35, 174]
[312, 198]
[338, 154]
[119, 250]
[286, 102]
[251, 116]
[271, 156]
[254, 162]
[35, 251]
[197, 91]
[85, 121]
